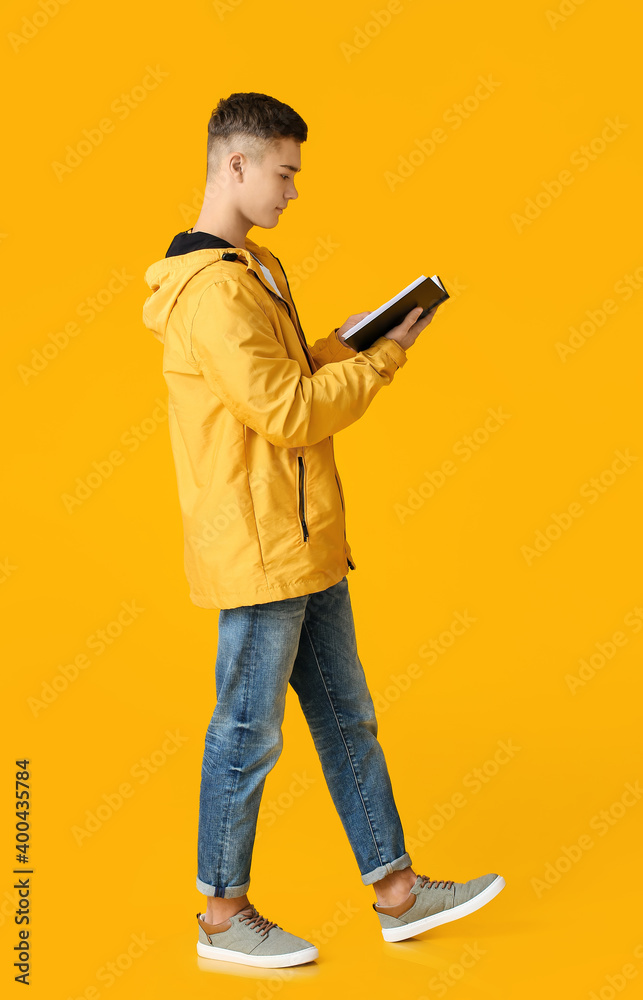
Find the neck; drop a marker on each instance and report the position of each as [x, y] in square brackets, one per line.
[229, 226]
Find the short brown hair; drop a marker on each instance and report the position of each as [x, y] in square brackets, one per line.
[253, 121]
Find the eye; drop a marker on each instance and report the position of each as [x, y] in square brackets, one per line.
[285, 176]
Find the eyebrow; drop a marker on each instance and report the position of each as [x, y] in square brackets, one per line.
[290, 167]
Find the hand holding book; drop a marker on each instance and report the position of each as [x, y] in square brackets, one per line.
[411, 327]
[402, 318]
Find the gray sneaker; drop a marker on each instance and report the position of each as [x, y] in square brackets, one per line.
[435, 901]
[250, 939]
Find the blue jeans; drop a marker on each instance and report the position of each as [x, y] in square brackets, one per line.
[309, 642]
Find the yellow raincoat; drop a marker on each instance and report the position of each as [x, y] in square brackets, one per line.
[252, 411]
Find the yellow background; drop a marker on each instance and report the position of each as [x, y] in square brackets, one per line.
[518, 290]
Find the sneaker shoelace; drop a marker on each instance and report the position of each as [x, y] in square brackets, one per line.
[261, 924]
[435, 883]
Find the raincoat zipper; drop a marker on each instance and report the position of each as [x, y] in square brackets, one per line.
[297, 325]
[302, 497]
[300, 334]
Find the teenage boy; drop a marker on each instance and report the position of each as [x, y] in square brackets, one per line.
[252, 413]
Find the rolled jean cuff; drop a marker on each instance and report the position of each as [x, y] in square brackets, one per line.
[218, 890]
[384, 870]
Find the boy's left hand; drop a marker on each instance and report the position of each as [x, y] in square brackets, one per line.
[351, 322]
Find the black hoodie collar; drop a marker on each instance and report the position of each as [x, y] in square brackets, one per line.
[186, 241]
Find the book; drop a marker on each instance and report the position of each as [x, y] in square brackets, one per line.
[425, 292]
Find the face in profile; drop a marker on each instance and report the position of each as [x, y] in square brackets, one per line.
[268, 187]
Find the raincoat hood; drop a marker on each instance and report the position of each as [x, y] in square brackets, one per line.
[187, 255]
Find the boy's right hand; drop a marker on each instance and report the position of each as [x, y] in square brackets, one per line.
[410, 328]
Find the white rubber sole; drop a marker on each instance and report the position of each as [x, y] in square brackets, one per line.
[435, 919]
[259, 961]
